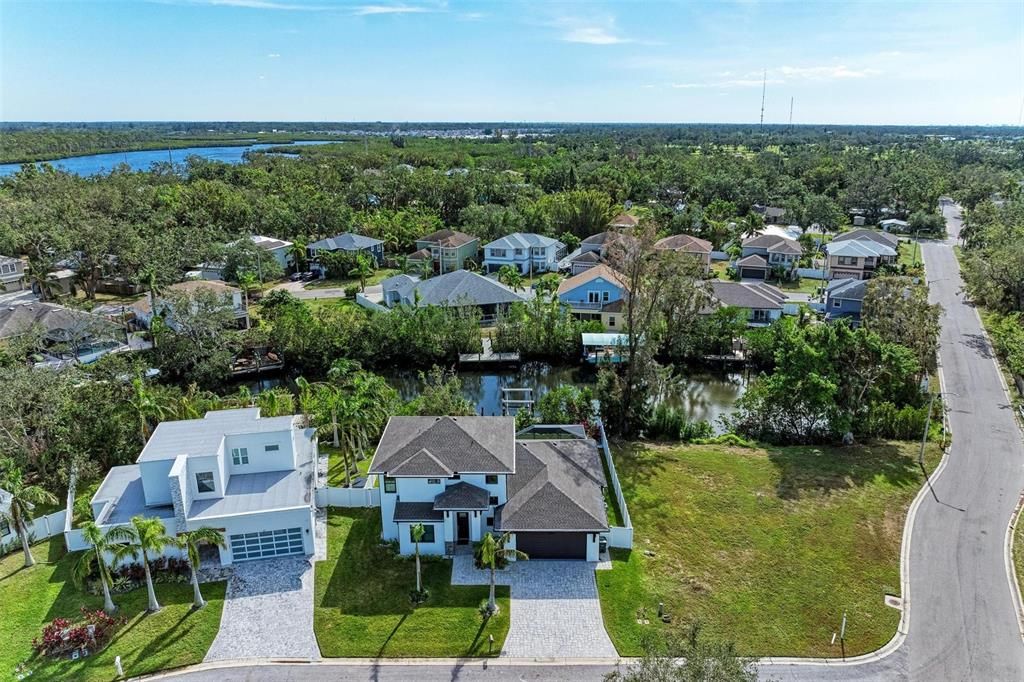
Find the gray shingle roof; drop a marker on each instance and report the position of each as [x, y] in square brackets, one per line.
[462, 495]
[871, 235]
[347, 241]
[744, 295]
[19, 318]
[848, 289]
[774, 242]
[752, 261]
[523, 240]
[557, 486]
[416, 511]
[448, 238]
[862, 248]
[431, 446]
[684, 242]
[463, 287]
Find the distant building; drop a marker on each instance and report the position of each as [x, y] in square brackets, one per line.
[527, 252]
[765, 252]
[231, 297]
[844, 298]
[763, 302]
[597, 293]
[12, 274]
[623, 221]
[67, 335]
[858, 254]
[278, 249]
[448, 250]
[684, 243]
[349, 242]
[456, 289]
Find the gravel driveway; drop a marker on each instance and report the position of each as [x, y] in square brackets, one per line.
[268, 612]
[556, 612]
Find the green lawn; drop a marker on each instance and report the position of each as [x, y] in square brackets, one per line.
[767, 547]
[910, 255]
[362, 606]
[32, 597]
[336, 466]
[376, 278]
[1018, 553]
[805, 285]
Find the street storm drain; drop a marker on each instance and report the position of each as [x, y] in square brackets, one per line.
[894, 601]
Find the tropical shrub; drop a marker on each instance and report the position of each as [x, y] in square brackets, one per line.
[61, 636]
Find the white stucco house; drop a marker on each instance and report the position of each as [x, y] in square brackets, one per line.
[525, 251]
[250, 476]
[462, 477]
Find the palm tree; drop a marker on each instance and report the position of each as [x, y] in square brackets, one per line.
[146, 405]
[194, 403]
[491, 550]
[143, 536]
[275, 402]
[21, 502]
[189, 542]
[509, 276]
[298, 253]
[248, 283]
[363, 269]
[418, 531]
[95, 560]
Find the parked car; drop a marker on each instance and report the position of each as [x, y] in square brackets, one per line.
[297, 276]
[308, 276]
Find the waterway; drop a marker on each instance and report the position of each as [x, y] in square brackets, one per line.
[144, 160]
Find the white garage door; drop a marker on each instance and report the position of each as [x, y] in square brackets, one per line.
[266, 543]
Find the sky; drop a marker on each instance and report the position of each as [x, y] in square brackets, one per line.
[430, 60]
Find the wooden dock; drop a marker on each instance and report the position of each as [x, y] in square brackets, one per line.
[488, 356]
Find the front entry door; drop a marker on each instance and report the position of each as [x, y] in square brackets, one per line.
[462, 528]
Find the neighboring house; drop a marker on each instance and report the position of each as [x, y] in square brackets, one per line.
[252, 477]
[598, 293]
[845, 298]
[623, 221]
[594, 250]
[7, 532]
[763, 302]
[462, 477]
[348, 242]
[894, 225]
[12, 274]
[67, 334]
[525, 251]
[684, 243]
[857, 258]
[231, 296]
[448, 250]
[766, 252]
[275, 248]
[773, 215]
[456, 289]
[885, 238]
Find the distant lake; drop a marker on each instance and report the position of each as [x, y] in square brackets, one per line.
[143, 160]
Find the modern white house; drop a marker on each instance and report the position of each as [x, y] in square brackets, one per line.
[250, 476]
[462, 477]
[231, 297]
[526, 251]
[278, 249]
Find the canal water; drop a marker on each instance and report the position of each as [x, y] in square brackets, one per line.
[144, 160]
[699, 395]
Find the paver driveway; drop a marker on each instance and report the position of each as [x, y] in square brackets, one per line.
[556, 612]
[268, 612]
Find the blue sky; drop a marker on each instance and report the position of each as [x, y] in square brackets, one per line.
[842, 62]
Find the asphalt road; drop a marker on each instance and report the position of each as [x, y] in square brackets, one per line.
[963, 623]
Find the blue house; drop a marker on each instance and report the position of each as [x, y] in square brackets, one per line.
[844, 298]
[526, 251]
[596, 294]
[348, 242]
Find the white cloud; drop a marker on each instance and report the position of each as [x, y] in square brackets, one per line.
[589, 31]
[260, 4]
[372, 10]
[273, 55]
[822, 73]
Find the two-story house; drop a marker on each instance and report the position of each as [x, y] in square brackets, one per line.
[857, 258]
[844, 298]
[12, 274]
[762, 302]
[277, 249]
[250, 476]
[348, 242]
[597, 248]
[598, 293]
[691, 246]
[231, 298]
[526, 251]
[462, 477]
[446, 250]
[767, 252]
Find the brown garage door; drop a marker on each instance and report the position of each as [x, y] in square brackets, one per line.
[539, 545]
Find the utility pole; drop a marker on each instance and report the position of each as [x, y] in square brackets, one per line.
[764, 87]
[790, 113]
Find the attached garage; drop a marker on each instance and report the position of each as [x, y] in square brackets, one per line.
[266, 544]
[559, 545]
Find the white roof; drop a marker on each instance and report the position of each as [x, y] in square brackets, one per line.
[893, 221]
[590, 339]
[204, 436]
[859, 247]
[522, 240]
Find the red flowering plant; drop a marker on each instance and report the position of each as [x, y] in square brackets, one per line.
[62, 636]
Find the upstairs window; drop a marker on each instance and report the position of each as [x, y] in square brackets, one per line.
[390, 485]
[492, 500]
[497, 253]
[204, 482]
[239, 456]
[433, 481]
[271, 448]
[491, 479]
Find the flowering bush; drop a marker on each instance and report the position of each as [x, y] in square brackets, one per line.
[127, 577]
[60, 636]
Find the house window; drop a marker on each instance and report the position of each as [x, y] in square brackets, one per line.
[847, 260]
[605, 296]
[490, 521]
[611, 321]
[836, 303]
[428, 534]
[760, 316]
[537, 251]
[593, 297]
[271, 448]
[497, 253]
[519, 252]
[204, 482]
[5, 528]
[389, 484]
[433, 481]
[492, 500]
[239, 456]
[491, 479]
[8, 268]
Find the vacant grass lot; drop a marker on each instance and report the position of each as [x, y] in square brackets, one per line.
[362, 606]
[32, 597]
[767, 547]
[376, 278]
[336, 466]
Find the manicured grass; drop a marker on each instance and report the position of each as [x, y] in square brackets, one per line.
[1018, 552]
[806, 285]
[766, 547]
[362, 605]
[31, 597]
[908, 257]
[336, 465]
[376, 278]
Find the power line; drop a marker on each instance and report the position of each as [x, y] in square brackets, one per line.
[764, 86]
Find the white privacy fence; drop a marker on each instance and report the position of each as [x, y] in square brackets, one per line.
[348, 497]
[40, 528]
[618, 536]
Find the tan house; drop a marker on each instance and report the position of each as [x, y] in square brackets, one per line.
[858, 258]
[684, 243]
[767, 252]
[12, 274]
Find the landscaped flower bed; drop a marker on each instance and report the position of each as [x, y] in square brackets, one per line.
[127, 577]
[62, 637]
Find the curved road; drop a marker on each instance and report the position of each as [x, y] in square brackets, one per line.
[962, 623]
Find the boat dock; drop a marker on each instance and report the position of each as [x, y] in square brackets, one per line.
[488, 356]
